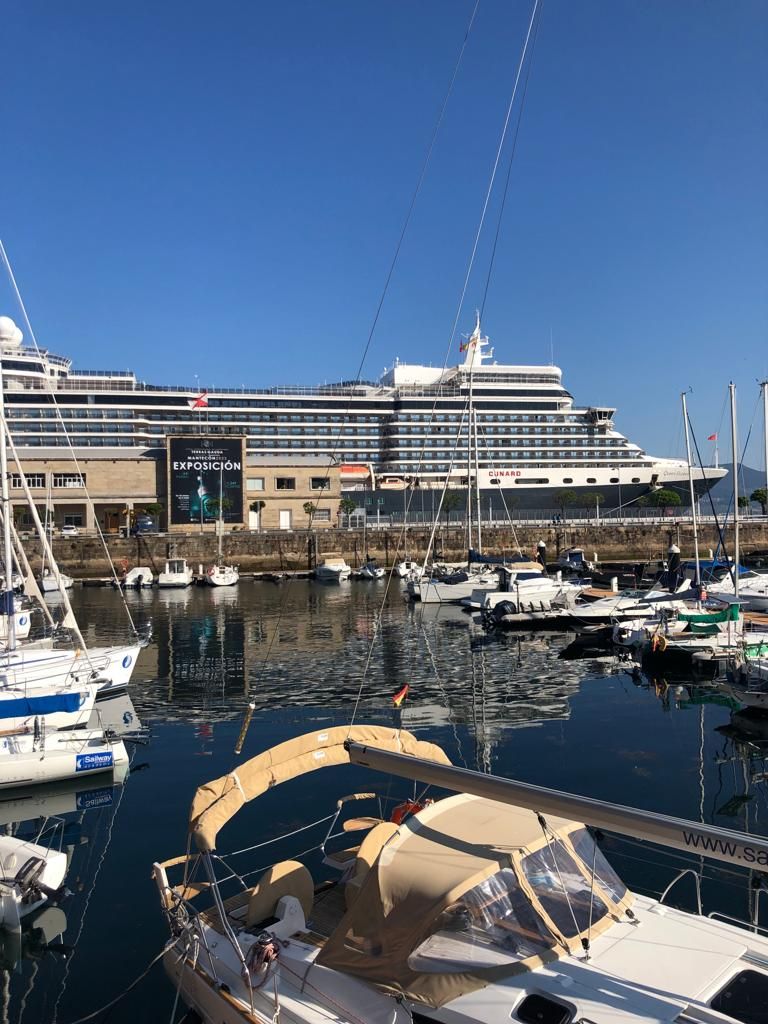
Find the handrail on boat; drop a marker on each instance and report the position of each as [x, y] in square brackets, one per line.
[677, 878]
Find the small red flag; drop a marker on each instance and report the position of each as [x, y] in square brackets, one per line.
[198, 403]
[400, 696]
[712, 437]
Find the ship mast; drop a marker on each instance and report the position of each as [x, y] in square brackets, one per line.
[693, 494]
[735, 458]
[7, 601]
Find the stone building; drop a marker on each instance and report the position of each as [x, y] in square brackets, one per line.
[286, 486]
[122, 483]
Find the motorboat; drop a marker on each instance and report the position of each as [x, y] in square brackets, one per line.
[222, 575]
[408, 569]
[452, 589]
[176, 574]
[628, 604]
[371, 571]
[138, 578]
[332, 568]
[528, 592]
[48, 581]
[753, 590]
[573, 559]
[31, 873]
[491, 904]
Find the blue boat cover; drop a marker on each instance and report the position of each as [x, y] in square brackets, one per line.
[18, 707]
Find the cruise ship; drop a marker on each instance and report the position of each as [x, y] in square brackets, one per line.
[513, 431]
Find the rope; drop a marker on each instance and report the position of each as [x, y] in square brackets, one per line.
[285, 835]
[126, 990]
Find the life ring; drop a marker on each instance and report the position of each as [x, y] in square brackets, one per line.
[405, 809]
[212, 571]
[124, 564]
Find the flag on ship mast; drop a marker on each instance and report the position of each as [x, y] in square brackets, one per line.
[712, 437]
[201, 402]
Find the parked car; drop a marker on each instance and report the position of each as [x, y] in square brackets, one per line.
[69, 531]
[144, 524]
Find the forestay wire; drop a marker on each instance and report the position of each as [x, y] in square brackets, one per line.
[62, 424]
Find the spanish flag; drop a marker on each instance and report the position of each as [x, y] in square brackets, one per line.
[400, 696]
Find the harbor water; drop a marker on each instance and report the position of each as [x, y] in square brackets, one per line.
[309, 656]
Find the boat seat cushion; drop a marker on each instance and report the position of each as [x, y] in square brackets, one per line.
[367, 855]
[288, 878]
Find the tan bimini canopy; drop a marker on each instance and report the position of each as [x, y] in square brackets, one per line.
[216, 802]
[470, 891]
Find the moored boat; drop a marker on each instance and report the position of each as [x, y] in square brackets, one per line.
[492, 901]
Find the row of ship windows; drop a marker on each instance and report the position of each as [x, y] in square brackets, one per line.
[399, 423]
[347, 432]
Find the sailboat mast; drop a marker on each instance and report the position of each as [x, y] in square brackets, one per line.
[477, 490]
[692, 492]
[735, 459]
[221, 507]
[469, 472]
[7, 602]
[764, 387]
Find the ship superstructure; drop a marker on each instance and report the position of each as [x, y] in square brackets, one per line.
[522, 436]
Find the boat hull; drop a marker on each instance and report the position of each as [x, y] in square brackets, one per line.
[63, 755]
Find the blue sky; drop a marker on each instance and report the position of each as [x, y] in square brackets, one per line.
[217, 190]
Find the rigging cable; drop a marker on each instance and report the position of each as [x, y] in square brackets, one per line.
[89, 501]
[511, 161]
[470, 266]
[337, 440]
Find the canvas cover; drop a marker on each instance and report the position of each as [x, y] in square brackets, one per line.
[729, 614]
[216, 802]
[436, 857]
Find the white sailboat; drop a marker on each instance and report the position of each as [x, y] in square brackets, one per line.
[47, 696]
[221, 575]
[490, 903]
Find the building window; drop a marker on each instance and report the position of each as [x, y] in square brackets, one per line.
[322, 515]
[36, 480]
[68, 480]
[73, 520]
[255, 483]
[285, 483]
[320, 483]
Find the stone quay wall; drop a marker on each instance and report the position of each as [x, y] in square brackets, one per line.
[298, 550]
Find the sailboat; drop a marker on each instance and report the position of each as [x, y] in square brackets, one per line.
[221, 575]
[493, 902]
[47, 696]
[49, 582]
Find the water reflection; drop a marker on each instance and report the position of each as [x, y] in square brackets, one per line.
[306, 655]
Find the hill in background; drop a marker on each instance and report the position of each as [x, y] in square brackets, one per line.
[749, 480]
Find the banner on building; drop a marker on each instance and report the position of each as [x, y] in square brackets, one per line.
[204, 475]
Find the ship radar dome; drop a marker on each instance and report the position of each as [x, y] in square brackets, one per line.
[9, 332]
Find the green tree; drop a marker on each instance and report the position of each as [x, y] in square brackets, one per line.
[743, 501]
[664, 498]
[760, 496]
[565, 498]
[347, 506]
[310, 508]
[154, 508]
[213, 505]
[592, 498]
[451, 501]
